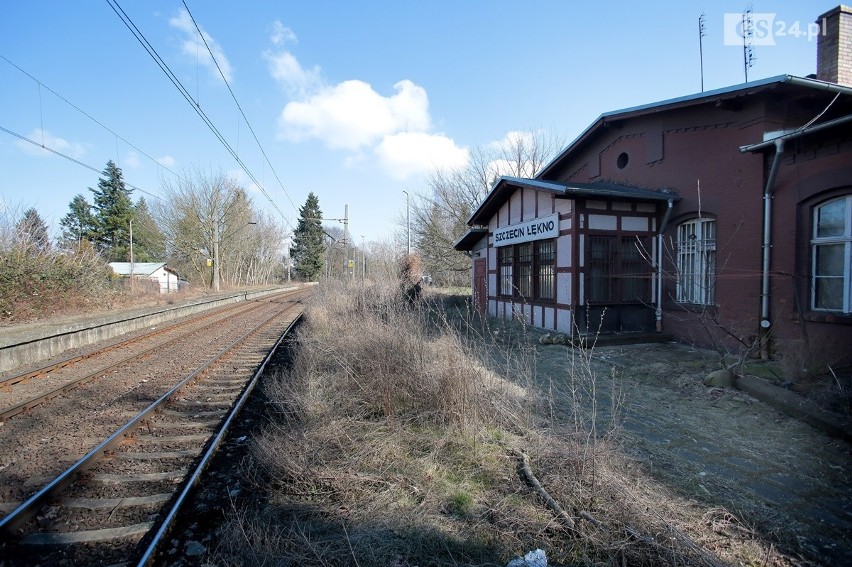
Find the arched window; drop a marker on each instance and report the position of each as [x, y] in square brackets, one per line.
[831, 256]
[696, 261]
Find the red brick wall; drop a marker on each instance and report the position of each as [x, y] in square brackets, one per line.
[682, 148]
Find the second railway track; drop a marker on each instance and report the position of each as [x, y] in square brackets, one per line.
[120, 486]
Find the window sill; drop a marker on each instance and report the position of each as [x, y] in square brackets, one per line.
[825, 317]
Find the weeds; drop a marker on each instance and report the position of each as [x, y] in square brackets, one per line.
[396, 442]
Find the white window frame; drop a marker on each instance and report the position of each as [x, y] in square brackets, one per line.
[845, 240]
[696, 261]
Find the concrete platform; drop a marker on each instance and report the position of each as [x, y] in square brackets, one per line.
[27, 343]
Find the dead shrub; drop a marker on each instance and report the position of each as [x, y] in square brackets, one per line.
[395, 442]
[385, 360]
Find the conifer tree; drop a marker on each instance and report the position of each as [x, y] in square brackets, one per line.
[149, 243]
[308, 244]
[113, 211]
[78, 224]
[32, 231]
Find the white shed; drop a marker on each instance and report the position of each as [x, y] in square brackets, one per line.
[158, 272]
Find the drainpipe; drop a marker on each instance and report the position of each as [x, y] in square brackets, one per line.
[767, 245]
[659, 311]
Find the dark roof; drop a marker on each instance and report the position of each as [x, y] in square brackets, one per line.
[790, 82]
[505, 186]
[469, 238]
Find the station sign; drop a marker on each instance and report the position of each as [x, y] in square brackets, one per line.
[536, 229]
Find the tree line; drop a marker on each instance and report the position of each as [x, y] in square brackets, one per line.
[200, 215]
[197, 214]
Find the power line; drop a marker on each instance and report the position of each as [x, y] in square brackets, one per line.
[74, 160]
[87, 115]
[222, 74]
[140, 37]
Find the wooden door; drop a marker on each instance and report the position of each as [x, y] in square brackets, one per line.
[480, 288]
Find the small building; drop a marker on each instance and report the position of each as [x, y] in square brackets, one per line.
[719, 216]
[158, 272]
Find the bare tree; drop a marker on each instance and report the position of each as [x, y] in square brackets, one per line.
[206, 215]
[440, 212]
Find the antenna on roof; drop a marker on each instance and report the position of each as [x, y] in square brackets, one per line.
[748, 42]
[702, 31]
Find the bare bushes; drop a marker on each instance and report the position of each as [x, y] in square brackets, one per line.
[36, 280]
[396, 442]
[381, 358]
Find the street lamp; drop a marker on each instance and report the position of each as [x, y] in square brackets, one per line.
[408, 218]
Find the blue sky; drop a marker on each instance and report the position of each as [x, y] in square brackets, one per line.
[355, 101]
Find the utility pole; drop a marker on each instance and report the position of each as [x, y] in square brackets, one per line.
[346, 241]
[131, 253]
[408, 218]
[216, 256]
[363, 259]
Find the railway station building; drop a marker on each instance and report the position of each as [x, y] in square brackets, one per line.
[720, 216]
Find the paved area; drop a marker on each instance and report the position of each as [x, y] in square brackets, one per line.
[787, 481]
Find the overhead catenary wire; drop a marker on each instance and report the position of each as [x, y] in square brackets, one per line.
[233, 96]
[84, 113]
[140, 37]
[74, 160]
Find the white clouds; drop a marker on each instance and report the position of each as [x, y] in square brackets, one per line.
[515, 148]
[193, 46]
[131, 160]
[167, 161]
[353, 116]
[282, 34]
[411, 153]
[513, 139]
[72, 149]
[239, 177]
[287, 70]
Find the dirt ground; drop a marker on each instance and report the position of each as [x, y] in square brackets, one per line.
[778, 479]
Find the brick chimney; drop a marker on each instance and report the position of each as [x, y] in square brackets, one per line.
[834, 46]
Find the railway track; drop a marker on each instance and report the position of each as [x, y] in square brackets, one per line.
[12, 379]
[133, 482]
[52, 386]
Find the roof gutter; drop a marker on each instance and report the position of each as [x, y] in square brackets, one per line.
[817, 84]
[797, 133]
[778, 143]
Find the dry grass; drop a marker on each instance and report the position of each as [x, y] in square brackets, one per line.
[395, 442]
